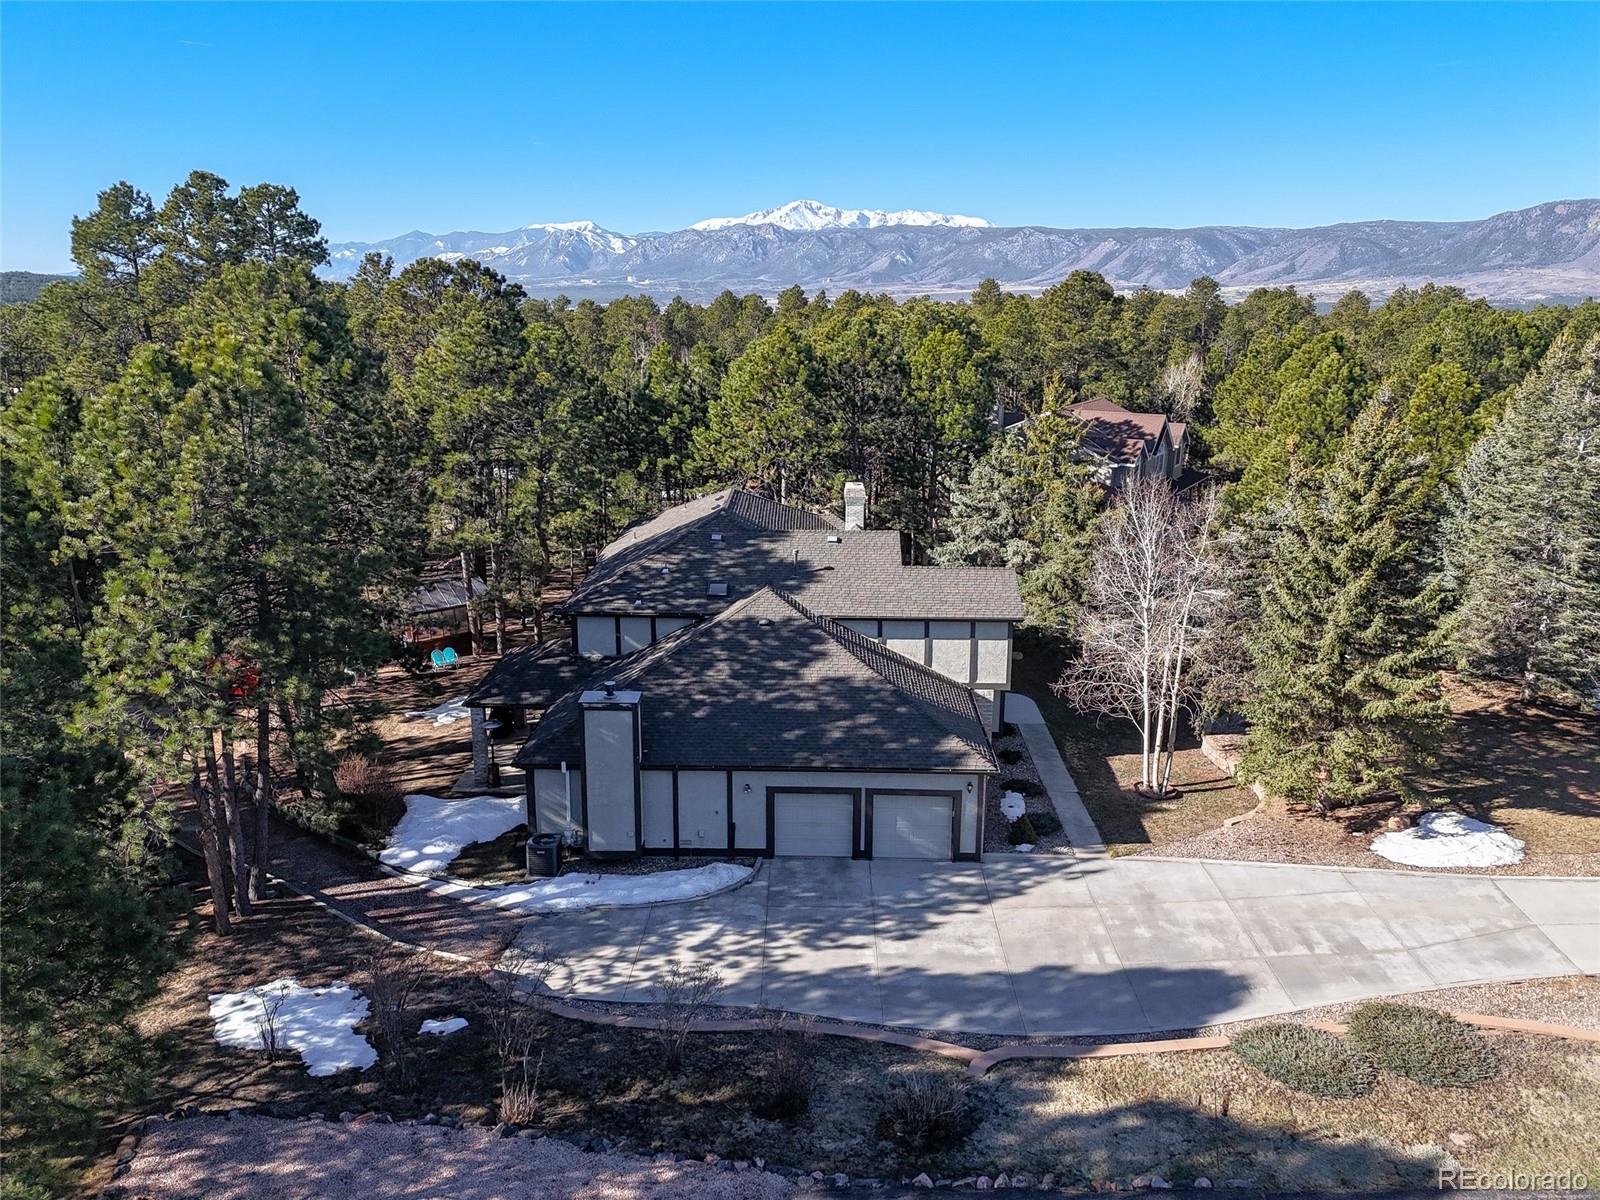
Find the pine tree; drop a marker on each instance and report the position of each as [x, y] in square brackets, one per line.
[1346, 699]
[1524, 535]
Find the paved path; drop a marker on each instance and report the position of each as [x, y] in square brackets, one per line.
[1022, 945]
[1053, 774]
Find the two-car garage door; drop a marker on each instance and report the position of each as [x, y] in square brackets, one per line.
[823, 824]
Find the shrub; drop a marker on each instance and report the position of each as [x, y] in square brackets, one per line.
[784, 1084]
[1423, 1044]
[374, 798]
[1023, 787]
[1010, 757]
[1305, 1059]
[1045, 823]
[1022, 832]
[1007, 729]
[682, 995]
[925, 1109]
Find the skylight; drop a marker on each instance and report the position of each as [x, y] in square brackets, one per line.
[717, 589]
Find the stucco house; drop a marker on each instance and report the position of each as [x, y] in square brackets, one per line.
[752, 677]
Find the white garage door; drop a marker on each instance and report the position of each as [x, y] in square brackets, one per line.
[910, 826]
[816, 823]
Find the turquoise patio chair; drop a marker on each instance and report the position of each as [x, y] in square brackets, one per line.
[451, 658]
[437, 658]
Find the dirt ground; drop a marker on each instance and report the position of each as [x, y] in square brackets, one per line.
[1534, 769]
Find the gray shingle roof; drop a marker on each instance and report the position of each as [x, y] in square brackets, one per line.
[533, 677]
[768, 684]
[835, 572]
[435, 595]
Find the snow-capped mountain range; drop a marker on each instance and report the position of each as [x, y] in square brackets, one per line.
[813, 214]
[1548, 252]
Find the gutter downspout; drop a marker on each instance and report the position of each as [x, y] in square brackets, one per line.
[566, 779]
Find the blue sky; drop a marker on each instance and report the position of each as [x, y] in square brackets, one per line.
[390, 118]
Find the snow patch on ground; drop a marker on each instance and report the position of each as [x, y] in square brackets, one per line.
[315, 1021]
[1448, 839]
[1013, 805]
[577, 892]
[442, 1027]
[447, 713]
[433, 831]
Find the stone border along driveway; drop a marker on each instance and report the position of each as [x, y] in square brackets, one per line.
[1048, 947]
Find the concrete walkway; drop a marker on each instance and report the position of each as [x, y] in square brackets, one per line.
[1053, 774]
[1020, 945]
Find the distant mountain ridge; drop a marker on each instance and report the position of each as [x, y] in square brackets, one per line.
[1550, 252]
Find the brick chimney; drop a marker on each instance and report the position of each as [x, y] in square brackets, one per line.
[855, 505]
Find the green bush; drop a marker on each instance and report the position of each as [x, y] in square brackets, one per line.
[1023, 787]
[1045, 823]
[1022, 832]
[926, 1110]
[1010, 757]
[1305, 1059]
[1423, 1044]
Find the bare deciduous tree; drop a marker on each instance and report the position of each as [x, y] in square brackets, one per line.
[1149, 592]
[1183, 382]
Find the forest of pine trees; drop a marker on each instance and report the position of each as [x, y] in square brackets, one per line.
[222, 471]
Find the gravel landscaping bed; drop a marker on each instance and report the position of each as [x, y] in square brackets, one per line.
[245, 1157]
[1009, 743]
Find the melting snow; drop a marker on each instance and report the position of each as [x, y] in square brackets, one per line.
[448, 1025]
[433, 831]
[447, 713]
[1013, 805]
[574, 893]
[1448, 839]
[315, 1021]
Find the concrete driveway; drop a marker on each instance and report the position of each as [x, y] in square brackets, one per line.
[1022, 945]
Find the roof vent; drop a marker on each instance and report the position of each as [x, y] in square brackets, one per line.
[717, 589]
[666, 570]
[638, 603]
[764, 622]
[716, 537]
[611, 687]
[835, 538]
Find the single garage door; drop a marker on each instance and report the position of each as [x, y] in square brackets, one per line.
[814, 823]
[911, 826]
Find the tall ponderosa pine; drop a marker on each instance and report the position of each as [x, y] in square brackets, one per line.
[240, 491]
[1524, 537]
[1346, 701]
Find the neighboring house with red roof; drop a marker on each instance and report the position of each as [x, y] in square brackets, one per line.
[1130, 445]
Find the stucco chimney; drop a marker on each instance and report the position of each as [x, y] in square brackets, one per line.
[855, 505]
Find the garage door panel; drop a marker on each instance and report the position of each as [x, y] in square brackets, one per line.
[813, 823]
[915, 826]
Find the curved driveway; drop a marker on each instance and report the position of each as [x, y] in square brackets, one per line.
[1048, 945]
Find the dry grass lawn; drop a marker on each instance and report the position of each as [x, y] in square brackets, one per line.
[1207, 1114]
[1532, 768]
[1103, 757]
